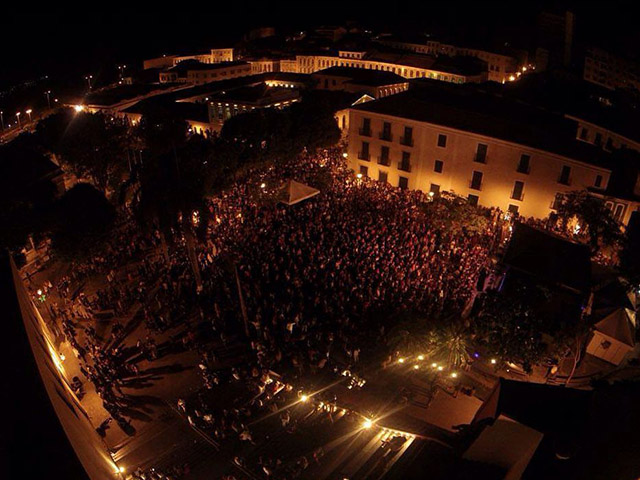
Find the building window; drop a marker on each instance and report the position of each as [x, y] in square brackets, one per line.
[366, 127]
[481, 153]
[565, 175]
[382, 176]
[442, 140]
[438, 166]
[524, 164]
[407, 138]
[583, 133]
[473, 199]
[518, 188]
[405, 163]
[513, 209]
[386, 131]
[403, 183]
[383, 159]
[598, 140]
[476, 181]
[364, 170]
[363, 154]
[434, 188]
[609, 144]
[598, 182]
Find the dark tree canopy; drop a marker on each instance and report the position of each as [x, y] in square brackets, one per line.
[510, 327]
[26, 191]
[81, 221]
[89, 145]
[272, 135]
[592, 215]
[161, 131]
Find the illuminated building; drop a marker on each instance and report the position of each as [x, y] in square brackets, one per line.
[493, 152]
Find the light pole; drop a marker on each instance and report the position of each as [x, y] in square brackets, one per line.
[28, 112]
[2, 119]
[48, 95]
[88, 79]
[18, 117]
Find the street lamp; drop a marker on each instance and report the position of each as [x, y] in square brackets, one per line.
[2, 119]
[18, 117]
[88, 79]
[48, 95]
[28, 112]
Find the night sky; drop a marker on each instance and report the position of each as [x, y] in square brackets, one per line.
[75, 42]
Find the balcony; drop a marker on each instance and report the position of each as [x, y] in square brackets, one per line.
[386, 161]
[386, 136]
[363, 156]
[365, 132]
[407, 141]
[404, 166]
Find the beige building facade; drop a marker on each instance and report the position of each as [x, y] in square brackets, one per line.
[489, 171]
[314, 63]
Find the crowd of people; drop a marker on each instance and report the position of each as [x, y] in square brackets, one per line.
[310, 289]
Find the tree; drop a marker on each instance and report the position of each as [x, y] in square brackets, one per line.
[455, 214]
[509, 326]
[171, 187]
[81, 222]
[26, 192]
[161, 131]
[89, 145]
[593, 217]
[630, 255]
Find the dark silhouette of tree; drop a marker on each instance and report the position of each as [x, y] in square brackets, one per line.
[92, 146]
[26, 192]
[509, 326]
[630, 255]
[81, 222]
[593, 216]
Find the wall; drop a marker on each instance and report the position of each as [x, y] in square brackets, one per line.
[499, 172]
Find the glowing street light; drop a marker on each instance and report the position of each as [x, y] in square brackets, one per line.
[367, 424]
[304, 398]
[454, 375]
[48, 95]
[416, 367]
[401, 360]
[493, 361]
[28, 112]
[2, 119]
[88, 78]
[18, 117]
[420, 357]
[78, 108]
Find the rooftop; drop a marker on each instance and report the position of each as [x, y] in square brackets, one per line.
[467, 109]
[362, 76]
[255, 94]
[191, 65]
